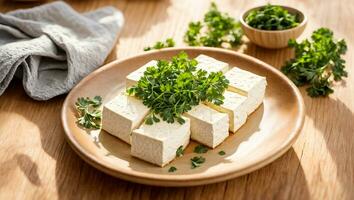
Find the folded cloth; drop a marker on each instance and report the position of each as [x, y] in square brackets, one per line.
[52, 47]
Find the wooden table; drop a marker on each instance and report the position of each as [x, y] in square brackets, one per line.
[37, 163]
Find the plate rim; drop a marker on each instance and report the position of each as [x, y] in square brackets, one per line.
[184, 180]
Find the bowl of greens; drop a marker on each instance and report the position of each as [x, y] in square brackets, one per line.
[271, 26]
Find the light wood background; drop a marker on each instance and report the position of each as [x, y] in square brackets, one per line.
[37, 163]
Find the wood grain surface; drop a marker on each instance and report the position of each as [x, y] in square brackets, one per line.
[37, 163]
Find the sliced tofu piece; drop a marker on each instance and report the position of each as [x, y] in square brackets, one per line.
[122, 115]
[135, 76]
[210, 64]
[248, 84]
[235, 106]
[158, 143]
[208, 126]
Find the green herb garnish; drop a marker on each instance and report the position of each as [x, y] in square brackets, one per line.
[180, 151]
[317, 63]
[221, 153]
[160, 45]
[197, 161]
[174, 87]
[89, 114]
[200, 149]
[217, 30]
[271, 17]
[172, 169]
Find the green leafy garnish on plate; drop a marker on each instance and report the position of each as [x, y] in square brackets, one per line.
[271, 17]
[172, 169]
[89, 113]
[317, 63]
[197, 161]
[216, 30]
[221, 153]
[160, 45]
[200, 149]
[180, 151]
[174, 87]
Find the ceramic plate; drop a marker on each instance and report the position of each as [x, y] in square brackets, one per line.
[269, 132]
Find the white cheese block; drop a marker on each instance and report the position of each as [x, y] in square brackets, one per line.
[135, 76]
[122, 115]
[158, 143]
[248, 84]
[235, 106]
[208, 126]
[210, 64]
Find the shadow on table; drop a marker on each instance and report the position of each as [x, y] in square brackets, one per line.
[274, 57]
[25, 164]
[336, 124]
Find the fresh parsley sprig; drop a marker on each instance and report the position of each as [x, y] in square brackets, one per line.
[217, 30]
[271, 17]
[197, 161]
[317, 63]
[89, 114]
[200, 149]
[173, 87]
[180, 151]
[172, 169]
[160, 45]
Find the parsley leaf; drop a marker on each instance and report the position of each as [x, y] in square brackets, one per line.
[160, 45]
[89, 114]
[173, 87]
[317, 63]
[217, 30]
[200, 149]
[221, 153]
[172, 169]
[197, 161]
[271, 17]
[180, 151]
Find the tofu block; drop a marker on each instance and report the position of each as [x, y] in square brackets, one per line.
[122, 115]
[208, 126]
[158, 143]
[210, 64]
[248, 84]
[235, 106]
[135, 76]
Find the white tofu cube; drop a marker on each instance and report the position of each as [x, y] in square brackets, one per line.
[135, 76]
[210, 64]
[158, 143]
[248, 84]
[122, 115]
[235, 106]
[208, 126]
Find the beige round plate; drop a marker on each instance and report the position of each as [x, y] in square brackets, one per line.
[269, 132]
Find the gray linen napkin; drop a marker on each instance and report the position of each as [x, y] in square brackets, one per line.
[52, 47]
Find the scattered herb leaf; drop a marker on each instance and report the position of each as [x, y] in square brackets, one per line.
[271, 17]
[221, 153]
[317, 63]
[89, 114]
[173, 87]
[200, 149]
[197, 161]
[217, 30]
[160, 45]
[180, 151]
[172, 169]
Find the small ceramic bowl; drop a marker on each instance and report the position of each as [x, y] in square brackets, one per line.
[273, 39]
